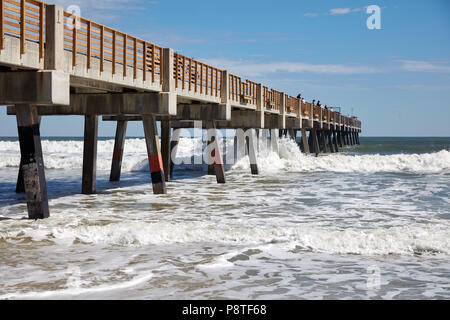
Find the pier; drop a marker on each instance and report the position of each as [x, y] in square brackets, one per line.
[53, 63]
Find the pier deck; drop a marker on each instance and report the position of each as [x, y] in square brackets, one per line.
[53, 63]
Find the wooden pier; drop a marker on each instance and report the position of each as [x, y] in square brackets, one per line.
[55, 64]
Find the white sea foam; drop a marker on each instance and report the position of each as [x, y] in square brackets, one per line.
[68, 155]
[405, 240]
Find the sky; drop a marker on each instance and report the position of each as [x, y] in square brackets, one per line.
[395, 79]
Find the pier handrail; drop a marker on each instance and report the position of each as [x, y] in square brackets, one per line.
[94, 40]
[292, 104]
[25, 20]
[193, 75]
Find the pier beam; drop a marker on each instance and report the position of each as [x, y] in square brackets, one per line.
[119, 143]
[32, 162]
[154, 154]
[165, 147]
[90, 154]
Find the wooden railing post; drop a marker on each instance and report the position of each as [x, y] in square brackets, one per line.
[54, 38]
[168, 84]
[2, 24]
[22, 27]
[41, 29]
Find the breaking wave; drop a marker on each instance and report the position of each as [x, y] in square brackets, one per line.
[68, 155]
[404, 240]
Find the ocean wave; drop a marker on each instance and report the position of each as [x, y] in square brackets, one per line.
[68, 155]
[405, 240]
[291, 159]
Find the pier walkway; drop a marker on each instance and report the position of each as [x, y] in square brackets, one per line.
[55, 64]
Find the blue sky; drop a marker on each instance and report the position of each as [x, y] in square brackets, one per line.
[397, 79]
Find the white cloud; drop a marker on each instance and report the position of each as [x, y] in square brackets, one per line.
[423, 66]
[256, 69]
[105, 9]
[340, 11]
[311, 15]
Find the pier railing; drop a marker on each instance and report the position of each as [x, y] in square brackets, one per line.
[124, 53]
[306, 110]
[196, 76]
[94, 40]
[292, 104]
[25, 20]
[242, 92]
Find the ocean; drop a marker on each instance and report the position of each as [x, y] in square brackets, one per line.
[371, 222]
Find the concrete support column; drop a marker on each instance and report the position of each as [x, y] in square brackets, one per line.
[339, 137]
[211, 140]
[20, 185]
[264, 139]
[335, 142]
[324, 141]
[315, 142]
[32, 162]
[174, 149]
[304, 144]
[216, 155]
[252, 153]
[165, 147]
[274, 140]
[330, 142]
[54, 38]
[90, 154]
[154, 154]
[119, 144]
[292, 134]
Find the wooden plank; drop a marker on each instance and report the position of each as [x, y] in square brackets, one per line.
[144, 62]
[153, 63]
[2, 24]
[41, 30]
[184, 71]
[102, 49]
[135, 59]
[22, 27]
[114, 53]
[74, 42]
[89, 46]
[124, 61]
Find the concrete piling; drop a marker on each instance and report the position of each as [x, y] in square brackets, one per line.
[165, 147]
[252, 153]
[154, 154]
[119, 144]
[90, 154]
[304, 142]
[32, 162]
[216, 154]
[173, 150]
